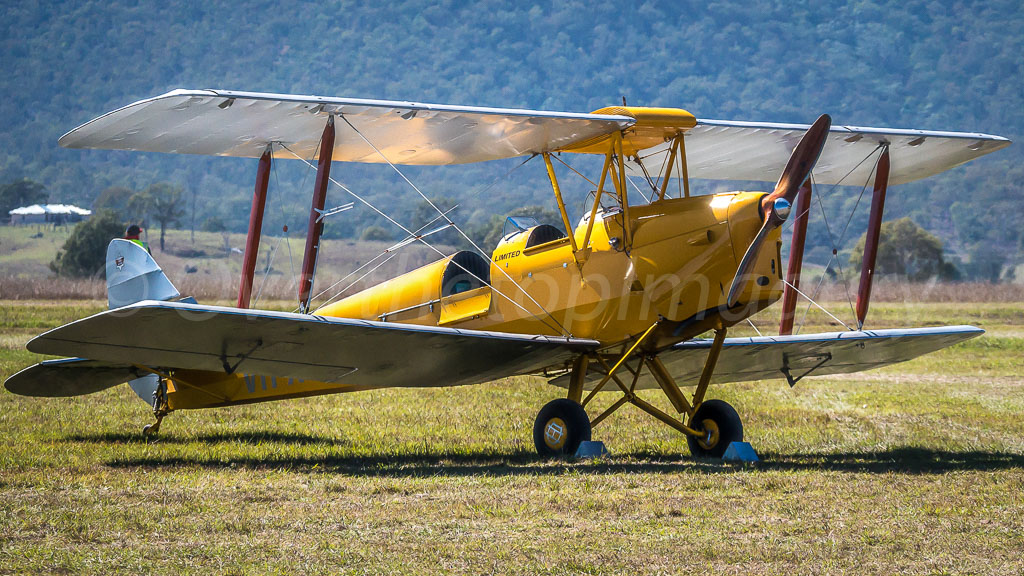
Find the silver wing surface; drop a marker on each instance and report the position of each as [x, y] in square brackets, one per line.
[731, 150]
[70, 377]
[282, 344]
[774, 357]
[230, 123]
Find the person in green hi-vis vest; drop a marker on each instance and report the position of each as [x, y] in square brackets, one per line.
[132, 233]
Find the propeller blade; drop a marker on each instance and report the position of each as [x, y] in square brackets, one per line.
[747, 263]
[801, 162]
[776, 206]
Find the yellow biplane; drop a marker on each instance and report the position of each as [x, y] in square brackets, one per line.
[614, 304]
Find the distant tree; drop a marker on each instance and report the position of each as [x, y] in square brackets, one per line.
[985, 263]
[137, 208]
[426, 215]
[20, 193]
[85, 250]
[213, 224]
[908, 251]
[116, 199]
[166, 206]
[377, 233]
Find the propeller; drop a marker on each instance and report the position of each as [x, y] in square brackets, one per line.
[777, 205]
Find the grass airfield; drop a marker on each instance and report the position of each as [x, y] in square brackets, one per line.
[916, 468]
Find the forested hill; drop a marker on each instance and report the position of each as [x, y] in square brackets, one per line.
[919, 64]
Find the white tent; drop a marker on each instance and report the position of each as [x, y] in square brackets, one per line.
[41, 213]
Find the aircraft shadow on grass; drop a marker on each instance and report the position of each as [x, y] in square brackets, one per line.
[253, 439]
[900, 460]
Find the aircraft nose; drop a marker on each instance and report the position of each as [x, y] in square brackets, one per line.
[781, 207]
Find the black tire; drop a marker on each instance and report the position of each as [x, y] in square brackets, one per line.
[725, 426]
[560, 427]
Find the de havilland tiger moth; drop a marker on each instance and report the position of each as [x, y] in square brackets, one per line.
[616, 305]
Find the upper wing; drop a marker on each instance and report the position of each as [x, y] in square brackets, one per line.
[282, 344]
[229, 123]
[726, 150]
[770, 357]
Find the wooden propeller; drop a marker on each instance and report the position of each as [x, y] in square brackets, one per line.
[776, 206]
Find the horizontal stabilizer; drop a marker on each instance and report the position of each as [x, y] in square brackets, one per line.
[774, 357]
[283, 344]
[70, 377]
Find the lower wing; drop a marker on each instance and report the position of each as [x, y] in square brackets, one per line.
[167, 335]
[793, 357]
[176, 335]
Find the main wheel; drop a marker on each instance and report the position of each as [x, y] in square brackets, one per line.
[721, 425]
[560, 428]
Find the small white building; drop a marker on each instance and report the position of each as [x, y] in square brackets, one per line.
[45, 213]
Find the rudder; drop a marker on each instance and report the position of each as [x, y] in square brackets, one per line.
[133, 275]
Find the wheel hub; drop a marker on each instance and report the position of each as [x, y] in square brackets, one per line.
[710, 438]
[555, 434]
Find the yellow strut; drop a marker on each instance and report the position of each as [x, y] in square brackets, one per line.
[686, 170]
[620, 186]
[597, 198]
[674, 148]
[625, 357]
[561, 205]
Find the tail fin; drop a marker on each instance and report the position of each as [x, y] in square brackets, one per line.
[133, 276]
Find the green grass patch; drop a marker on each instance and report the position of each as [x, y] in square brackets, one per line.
[915, 468]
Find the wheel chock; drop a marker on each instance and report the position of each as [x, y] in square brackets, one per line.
[740, 452]
[591, 449]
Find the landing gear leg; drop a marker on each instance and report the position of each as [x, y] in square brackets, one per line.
[710, 426]
[160, 409]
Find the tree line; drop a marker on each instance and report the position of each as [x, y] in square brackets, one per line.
[906, 250]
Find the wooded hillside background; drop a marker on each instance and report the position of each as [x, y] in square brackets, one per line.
[906, 64]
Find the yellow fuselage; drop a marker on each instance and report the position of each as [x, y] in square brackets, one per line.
[681, 262]
[677, 271]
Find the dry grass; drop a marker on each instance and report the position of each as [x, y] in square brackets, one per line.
[281, 287]
[890, 291]
[209, 270]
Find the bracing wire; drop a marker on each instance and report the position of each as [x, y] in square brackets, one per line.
[842, 235]
[411, 238]
[749, 321]
[792, 221]
[817, 288]
[819, 306]
[266, 273]
[390, 252]
[647, 177]
[828, 193]
[366, 203]
[461, 233]
[595, 185]
[578, 173]
[637, 188]
[661, 171]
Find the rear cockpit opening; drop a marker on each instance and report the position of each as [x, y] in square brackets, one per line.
[543, 234]
[465, 271]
